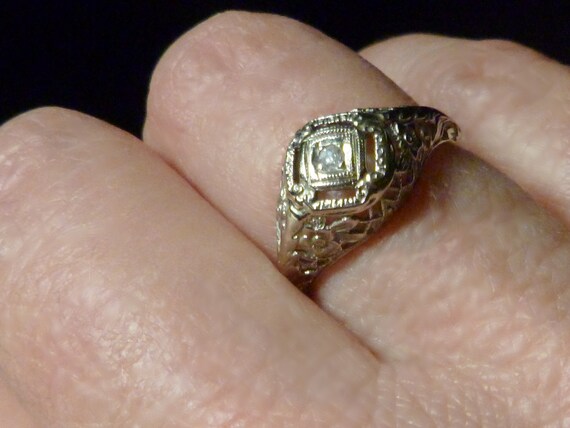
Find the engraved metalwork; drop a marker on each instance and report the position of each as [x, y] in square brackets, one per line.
[344, 175]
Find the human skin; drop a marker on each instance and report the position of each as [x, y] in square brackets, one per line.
[137, 279]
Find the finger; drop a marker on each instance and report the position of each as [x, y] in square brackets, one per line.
[126, 300]
[432, 286]
[472, 274]
[257, 78]
[236, 164]
[240, 160]
[512, 103]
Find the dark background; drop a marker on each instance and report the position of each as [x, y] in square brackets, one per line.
[97, 56]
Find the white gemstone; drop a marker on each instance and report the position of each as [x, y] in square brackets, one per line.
[329, 159]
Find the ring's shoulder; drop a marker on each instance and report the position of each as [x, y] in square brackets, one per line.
[345, 174]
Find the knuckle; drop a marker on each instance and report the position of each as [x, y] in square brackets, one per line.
[246, 22]
[41, 154]
[214, 41]
[505, 58]
[499, 45]
[488, 61]
[24, 143]
[212, 55]
[42, 116]
[228, 17]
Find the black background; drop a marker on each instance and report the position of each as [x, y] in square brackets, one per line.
[97, 56]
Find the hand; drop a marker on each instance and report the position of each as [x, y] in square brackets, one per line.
[137, 281]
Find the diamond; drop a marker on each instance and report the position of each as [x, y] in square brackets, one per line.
[329, 159]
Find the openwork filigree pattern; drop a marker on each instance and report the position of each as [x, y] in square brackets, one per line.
[344, 175]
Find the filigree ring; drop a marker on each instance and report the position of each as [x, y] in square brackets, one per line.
[344, 175]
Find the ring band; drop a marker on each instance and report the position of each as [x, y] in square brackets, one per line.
[344, 175]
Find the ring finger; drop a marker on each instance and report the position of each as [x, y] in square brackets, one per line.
[258, 78]
[426, 288]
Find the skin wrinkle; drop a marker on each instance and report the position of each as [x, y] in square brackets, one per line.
[422, 418]
[270, 55]
[313, 364]
[104, 320]
[12, 410]
[321, 69]
[478, 410]
[524, 286]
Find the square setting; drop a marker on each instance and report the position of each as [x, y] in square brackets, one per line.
[332, 157]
